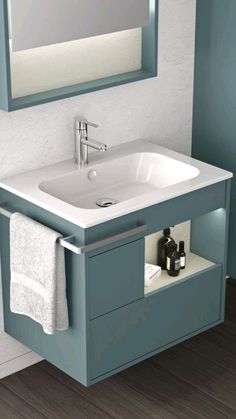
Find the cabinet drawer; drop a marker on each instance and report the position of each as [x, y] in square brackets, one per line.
[155, 321]
[115, 278]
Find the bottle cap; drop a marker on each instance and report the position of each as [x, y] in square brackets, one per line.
[181, 246]
[166, 231]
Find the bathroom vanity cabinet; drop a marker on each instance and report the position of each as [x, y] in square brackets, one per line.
[115, 321]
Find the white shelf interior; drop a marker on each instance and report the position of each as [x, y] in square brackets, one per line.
[194, 264]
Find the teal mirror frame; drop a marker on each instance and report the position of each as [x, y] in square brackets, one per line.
[148, 70]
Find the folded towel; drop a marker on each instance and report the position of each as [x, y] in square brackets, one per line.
[38, 283]
[151, 273]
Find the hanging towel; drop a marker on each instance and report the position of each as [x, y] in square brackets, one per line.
[38, 282]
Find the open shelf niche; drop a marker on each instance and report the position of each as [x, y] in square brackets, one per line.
[194, 262]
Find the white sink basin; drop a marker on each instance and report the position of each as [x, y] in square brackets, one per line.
[136, 175]
[119, 180]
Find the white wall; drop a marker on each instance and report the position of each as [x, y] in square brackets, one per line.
[159, 109]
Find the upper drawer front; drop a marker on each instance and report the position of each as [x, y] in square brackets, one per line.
[155, 321]
[115, 277]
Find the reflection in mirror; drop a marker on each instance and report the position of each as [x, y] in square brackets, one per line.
[45, 58]
[46, 22]
[35, 70]
[54, 66]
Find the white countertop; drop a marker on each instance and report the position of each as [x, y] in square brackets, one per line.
[26, 185]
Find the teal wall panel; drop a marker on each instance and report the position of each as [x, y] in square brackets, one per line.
[214, 120]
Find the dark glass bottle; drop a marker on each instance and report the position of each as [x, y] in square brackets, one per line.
[173, 262]
[182, 255]
[165, 244]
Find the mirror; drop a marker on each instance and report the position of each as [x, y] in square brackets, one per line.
[53, 49]
[45, 22]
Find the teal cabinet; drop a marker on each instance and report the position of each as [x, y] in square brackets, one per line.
[115, 321]
[66, 85]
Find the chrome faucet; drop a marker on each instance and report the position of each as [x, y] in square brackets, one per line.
[82, 142]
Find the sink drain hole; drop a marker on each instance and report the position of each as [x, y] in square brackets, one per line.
[106, 202]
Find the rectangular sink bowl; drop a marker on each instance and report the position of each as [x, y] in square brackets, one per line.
[115, 181]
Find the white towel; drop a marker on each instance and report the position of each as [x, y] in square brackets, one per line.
[38, 282]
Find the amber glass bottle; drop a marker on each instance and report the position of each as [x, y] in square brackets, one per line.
[165, 244]
[173, 262]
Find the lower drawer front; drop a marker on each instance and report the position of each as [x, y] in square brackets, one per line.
[154, 321]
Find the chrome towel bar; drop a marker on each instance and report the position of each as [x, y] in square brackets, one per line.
[66, 242]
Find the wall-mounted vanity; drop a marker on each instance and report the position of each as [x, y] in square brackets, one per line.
[57, 49]
[115, 321]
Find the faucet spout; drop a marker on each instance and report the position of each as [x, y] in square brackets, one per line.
[96, 145]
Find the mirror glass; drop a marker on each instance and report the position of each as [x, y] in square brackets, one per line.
[59, 43]
[45, 22]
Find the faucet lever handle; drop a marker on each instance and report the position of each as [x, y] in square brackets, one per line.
[82, 124]
[91, 124]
